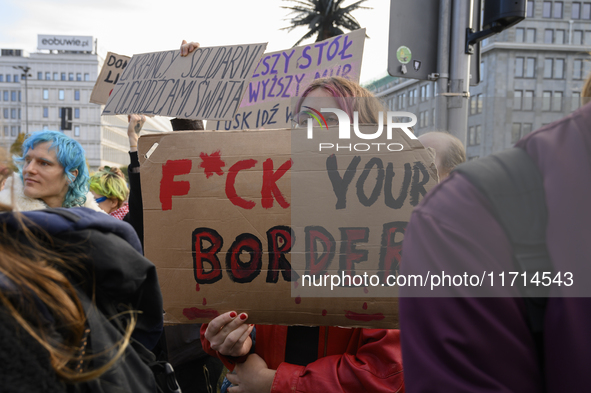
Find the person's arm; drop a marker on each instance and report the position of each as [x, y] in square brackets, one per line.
[371, 363]
[136, 207]
[227, 337]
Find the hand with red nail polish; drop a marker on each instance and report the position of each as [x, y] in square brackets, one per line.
[229, 334]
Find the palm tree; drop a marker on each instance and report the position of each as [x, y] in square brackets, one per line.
[323, 17]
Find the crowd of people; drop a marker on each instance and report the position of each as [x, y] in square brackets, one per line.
[80, 304]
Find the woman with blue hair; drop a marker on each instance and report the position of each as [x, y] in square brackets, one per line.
[53, 173]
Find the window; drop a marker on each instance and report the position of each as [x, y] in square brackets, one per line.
[63, 76]
[45, 94]
[19, 96]
[557, 14]
[76, 130]
[77, 95]
[528, 100]
[13, 113]
[5, 95]
[530, 68]
[548, 66]
[559, 37]
[76, 113]
[519, 34]
[576, 102]
[86, 77]
[13, 95]
[479, 104]
[433, 115]
[586, 14]
[559, 69]
[577, 37]
[530, 9]
[530, 36]
[45, 112]
[70, 76]
[578, 69]
[547, 9]
[48, 76]
[478, 132]
[548, 36]
[471, 136]
[78, 76]
[427, 118]
[1, 77]
[19, 113]
[546, 101]
[56, 76]
[519, 67]
[8, 78]
[516, 132]
[6, 113]
[517, 97]
[576, 11]
[40, 75]
[15, 78]
[61, 95]
[13, 131]
[5, 130]
[526, 128]
[557, 101]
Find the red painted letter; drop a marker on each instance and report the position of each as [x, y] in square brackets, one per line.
[231, 179]
[280, 240]
[244, 272]
[169, 187]
[203, 253]
[270, 189]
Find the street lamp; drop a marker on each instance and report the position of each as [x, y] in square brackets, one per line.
[25, 75]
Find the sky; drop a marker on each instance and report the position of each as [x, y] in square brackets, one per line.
[127, 27]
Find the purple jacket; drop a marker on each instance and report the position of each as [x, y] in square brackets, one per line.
[484, 344]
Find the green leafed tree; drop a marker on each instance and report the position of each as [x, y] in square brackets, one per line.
[325, 18]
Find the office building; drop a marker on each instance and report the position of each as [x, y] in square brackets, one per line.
[531, 75]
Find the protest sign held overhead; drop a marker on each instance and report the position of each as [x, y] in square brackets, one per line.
[252, 221]
[113, 67]
[283, 75]
[209, 83]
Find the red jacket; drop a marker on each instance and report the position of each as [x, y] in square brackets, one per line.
[349, 360]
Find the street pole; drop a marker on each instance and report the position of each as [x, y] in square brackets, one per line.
[26, 75]
[443, 63]
[458, 95]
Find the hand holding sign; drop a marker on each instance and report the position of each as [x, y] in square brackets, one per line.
[187, 48]
[229, 335]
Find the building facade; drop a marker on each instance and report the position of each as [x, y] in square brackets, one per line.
[62, 79]
[531, 75]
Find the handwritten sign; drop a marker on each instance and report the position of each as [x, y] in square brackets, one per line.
[112, 69]
[237, 220]
[207, 84]
[280, 76]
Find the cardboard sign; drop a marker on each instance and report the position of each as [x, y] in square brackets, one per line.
[236, 220]
[282, 75]
[207, 84]
[107, 79]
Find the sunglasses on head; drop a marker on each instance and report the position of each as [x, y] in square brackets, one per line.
[101, 199]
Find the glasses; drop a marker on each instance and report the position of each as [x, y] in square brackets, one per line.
[101, 199]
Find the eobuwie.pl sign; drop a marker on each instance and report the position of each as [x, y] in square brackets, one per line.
[65, 42]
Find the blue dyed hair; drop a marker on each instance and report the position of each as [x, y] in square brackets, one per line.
[70, 155]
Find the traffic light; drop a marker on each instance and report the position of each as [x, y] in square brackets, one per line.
[66, 116]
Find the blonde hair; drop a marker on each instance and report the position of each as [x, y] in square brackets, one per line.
[350, 96]
[110, 182]
[37, 270]
[586, 90]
